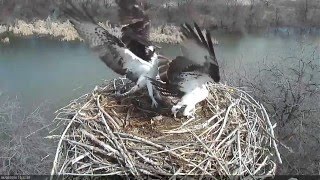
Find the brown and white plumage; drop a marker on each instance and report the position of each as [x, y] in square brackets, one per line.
[136, 28]
[113, 51]
[187, 75]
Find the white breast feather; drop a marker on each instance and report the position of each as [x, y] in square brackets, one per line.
[191, 82]
[134, 63]
[195, 91]
[128, 54]
[195, 96]
[139, 66]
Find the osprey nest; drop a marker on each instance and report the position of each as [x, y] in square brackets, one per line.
[231, 134]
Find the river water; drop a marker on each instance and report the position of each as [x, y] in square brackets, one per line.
[44, 71]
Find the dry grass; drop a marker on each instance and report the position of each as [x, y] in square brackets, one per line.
[61, 30]
[3, 29]
[5, 40]
[166, 34]
[64, 31]
[104, 135]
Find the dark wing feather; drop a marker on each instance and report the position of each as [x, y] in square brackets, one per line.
[177, 66]
[198, 55]
[88, 28]
[163, 65]
[101, 41]
[197, 66]
[199, 49]
[181, 70]
[131, 11]
[210, 47]
[196, 47]
[189, 33]
[171, 71]
[167, 89]
[135, 33]
[200, 33]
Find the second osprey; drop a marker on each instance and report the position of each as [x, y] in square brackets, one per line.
[187, 76]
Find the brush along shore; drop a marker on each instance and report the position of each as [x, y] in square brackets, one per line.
[64, 30]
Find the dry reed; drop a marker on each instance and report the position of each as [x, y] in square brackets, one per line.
[64, 30]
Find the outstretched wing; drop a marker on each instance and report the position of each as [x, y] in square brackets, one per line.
[197, 66]
[136, 29]
[198, 47]
[182, 76]
[111, 50]
[198, 54]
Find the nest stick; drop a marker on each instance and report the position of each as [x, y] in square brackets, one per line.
[61, 139]
[230, 135]
[113, 122]
[272, 134]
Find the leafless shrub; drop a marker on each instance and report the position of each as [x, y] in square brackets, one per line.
[231, 15]
[290, 90]
[23, 150]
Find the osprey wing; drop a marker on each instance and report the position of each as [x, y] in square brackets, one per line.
[111, 50]
[136, 29]
[182, 75]
[198, 47]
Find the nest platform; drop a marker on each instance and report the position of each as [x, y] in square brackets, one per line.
[231, 134]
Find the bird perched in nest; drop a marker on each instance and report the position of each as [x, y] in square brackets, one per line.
[187, 76]
[132, 55]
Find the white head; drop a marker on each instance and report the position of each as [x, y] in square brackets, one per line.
[151, 48]
[151, 53]
[154, 56]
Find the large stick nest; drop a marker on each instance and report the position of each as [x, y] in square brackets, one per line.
[230, 135]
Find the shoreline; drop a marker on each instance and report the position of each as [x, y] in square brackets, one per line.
[64, 31]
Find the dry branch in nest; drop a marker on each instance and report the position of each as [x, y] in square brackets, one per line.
[230, 135]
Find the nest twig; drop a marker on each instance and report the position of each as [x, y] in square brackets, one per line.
[105, 135]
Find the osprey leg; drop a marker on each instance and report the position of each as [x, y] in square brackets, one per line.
[150, 91]
[132, 90]
[140, 83]
[157, 94]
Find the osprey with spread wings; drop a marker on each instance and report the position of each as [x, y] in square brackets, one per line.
[187, 76]
[132, 55]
